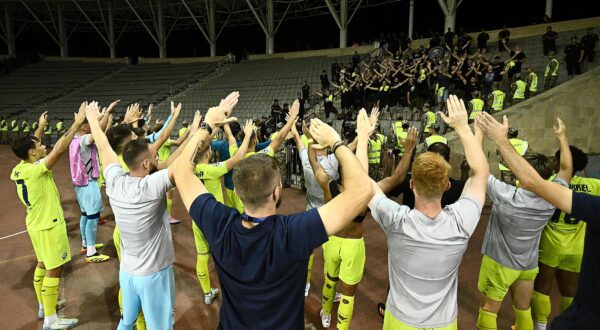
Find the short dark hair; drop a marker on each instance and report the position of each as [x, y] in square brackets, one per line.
[441, 149]
[580, 158]
[541, 163]
[116, 135]
[132, 151]
[255, 178]
[139, 132]
[22, 146]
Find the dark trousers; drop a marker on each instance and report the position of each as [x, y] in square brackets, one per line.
[573, 67]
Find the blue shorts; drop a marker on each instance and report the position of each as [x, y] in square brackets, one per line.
[89, 198]
[153, 294]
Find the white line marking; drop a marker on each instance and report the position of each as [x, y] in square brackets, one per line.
[11, 235]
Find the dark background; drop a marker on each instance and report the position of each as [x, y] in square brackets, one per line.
[317, 32]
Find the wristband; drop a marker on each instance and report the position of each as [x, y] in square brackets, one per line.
[337, 145]
[204, 125]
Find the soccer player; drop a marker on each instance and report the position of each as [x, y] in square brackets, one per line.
[261, 256]
[582, 314]
[512, 237]
[344, 253]
[314, 193]
[85, 171]
[45, 220]
[210, 175]
[561, 247]
[423, 290]
[138, 199]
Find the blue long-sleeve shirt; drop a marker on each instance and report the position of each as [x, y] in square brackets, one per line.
[154, 136]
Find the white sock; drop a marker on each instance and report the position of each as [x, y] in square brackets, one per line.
[50, 319]
[83, 243]
[91, 250]
[41, 307]
[539, 326]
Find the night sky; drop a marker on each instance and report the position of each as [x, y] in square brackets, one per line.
[317, 32]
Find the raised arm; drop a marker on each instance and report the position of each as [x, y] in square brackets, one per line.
[321, 176]
[62, 144]
[387, 184]
[42, 122]
[476, 185]
[243, 149]
[107, 155]
[559, 196]
[166, 132]
[364, 129]
[182, 170]
[186, 139]
[276, 143]
[566, 159]
[341, 210]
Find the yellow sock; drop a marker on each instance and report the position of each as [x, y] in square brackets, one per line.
[565, 302]
[524, 320]
[328, 292]
[202, 272]
[169, 205]
[140, 323]
[486, 320]
[38, 278]
[345, 312]
[120, 301]
[540, 307]
[50, 295]
[310, 264]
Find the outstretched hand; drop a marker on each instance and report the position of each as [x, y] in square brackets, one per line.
[457, 112]
[325, 135]
[80, 116]
[175, 110]
[43, 119]
[364, 125]
[219, 116]
[374, 116]
[248, 127]
[295, 109]
[92, 112]
[559, 129]
[411, 139]
[494, 131]
[132, 114]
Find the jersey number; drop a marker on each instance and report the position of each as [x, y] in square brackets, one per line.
[24, 192]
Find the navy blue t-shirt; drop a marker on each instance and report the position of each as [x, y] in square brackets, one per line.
[262, 270]
[584, 312]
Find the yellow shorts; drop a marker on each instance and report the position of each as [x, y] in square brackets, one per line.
[117, 241]
[568, 262]
[392, 323]
[345, 258]
[495, 279]
[200, 240]
[233, 200]
[51, 246]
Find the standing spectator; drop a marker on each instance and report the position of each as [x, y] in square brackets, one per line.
[589, 43]
[355, 59]
[503, 39]
[302, 109]
[498, 67]
[517, 57]
[574, 56]
[435, 40]
[324, 80]
[449, 38]
[531, 81]
[549, 40]
[551, 73]
[305, 91]
[335, 71]
[276, 111]
[482, 40]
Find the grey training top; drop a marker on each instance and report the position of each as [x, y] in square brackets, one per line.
[423, 259]
[140, 209]
[314, 193]
[518, 217]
